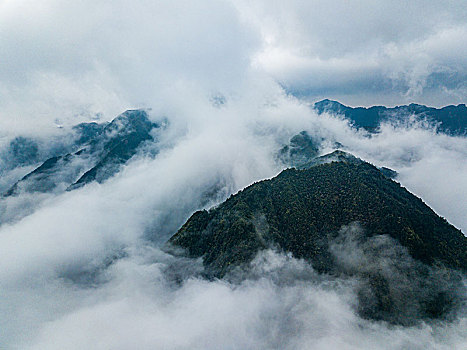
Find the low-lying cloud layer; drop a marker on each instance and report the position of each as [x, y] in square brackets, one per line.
[83, 268]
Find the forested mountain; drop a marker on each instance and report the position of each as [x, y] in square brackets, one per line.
[450, 119]
[305, 211]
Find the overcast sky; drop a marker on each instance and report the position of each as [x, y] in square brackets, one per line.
[62, 60]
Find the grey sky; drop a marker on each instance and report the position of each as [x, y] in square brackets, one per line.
[366, 52]
[70, 60]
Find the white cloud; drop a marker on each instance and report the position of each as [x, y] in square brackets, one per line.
[74, 234]
[139, 309]
[364, 52]
[73, 58]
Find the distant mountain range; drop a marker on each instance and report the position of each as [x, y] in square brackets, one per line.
[96, 151]
[409, 259]
[451, 120]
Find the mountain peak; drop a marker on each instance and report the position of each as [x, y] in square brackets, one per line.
[303, 212]
[99, 152]
[335, 156]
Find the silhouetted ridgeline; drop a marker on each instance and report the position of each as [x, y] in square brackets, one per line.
[450, 119]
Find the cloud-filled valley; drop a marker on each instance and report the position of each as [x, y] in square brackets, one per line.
[92, 256]
[228, 84]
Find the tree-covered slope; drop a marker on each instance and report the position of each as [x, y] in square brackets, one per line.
[301, 210]
[412, 257]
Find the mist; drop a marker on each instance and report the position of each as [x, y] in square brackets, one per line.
[87, 268]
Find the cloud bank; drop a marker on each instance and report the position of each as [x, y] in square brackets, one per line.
[84, 268]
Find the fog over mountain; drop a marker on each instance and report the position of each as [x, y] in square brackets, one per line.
[225, 93]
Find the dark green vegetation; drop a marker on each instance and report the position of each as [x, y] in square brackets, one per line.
[304, 212]
[451, 119]
[300, 210]
[99, 151]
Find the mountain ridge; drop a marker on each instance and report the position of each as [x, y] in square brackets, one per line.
[100, 150]
[450, 119]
